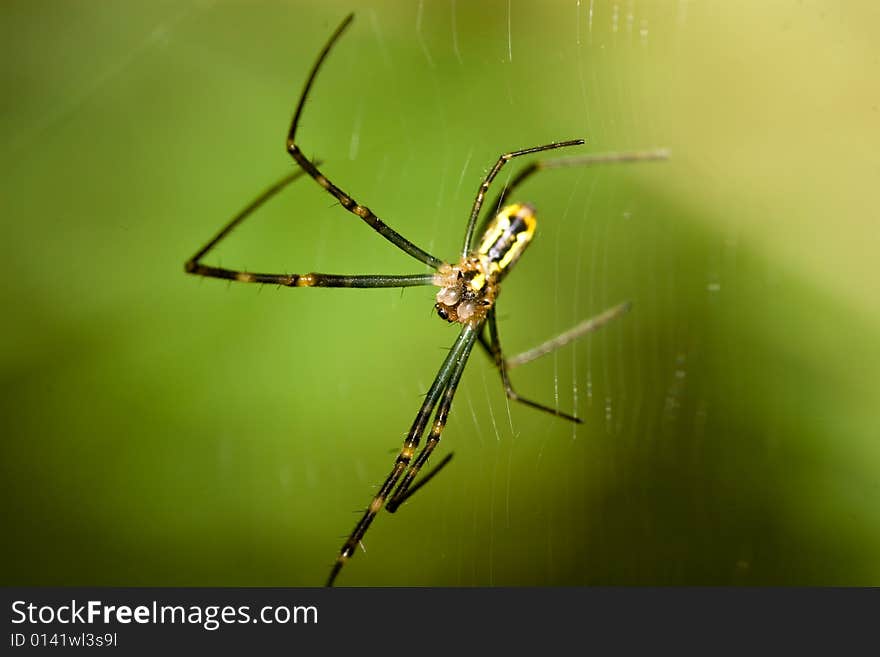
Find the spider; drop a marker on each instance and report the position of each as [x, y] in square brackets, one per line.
[468, 289]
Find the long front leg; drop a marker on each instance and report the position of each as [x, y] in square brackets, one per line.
[195, 265]
[403, 490]
[454, 362]
[344, 199]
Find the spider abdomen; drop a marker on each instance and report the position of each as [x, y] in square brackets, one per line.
[508, 234]
[469, 288]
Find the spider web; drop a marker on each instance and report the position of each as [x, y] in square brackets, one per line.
[218, 434]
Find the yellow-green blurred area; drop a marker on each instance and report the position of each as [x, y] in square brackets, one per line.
[160, 429]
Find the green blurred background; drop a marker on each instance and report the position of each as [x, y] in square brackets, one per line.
[158, 429]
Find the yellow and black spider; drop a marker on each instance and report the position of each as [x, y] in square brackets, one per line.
[467, 294]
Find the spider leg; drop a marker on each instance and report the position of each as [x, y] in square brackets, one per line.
[195, 266]
[344, 199]
[252, 207]
[428, 476]
[452, 366]
[577, 331]
[493, 347]
[567, 162]
[312, 279]
[400, 494]
[487, 181]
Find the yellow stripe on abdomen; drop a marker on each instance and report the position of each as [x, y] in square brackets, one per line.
[508, 234]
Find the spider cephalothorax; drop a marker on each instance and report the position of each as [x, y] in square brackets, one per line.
[469, 288]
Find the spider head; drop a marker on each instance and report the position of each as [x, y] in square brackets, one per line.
[467, 290]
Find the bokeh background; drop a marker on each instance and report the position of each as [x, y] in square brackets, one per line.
[158, 429]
